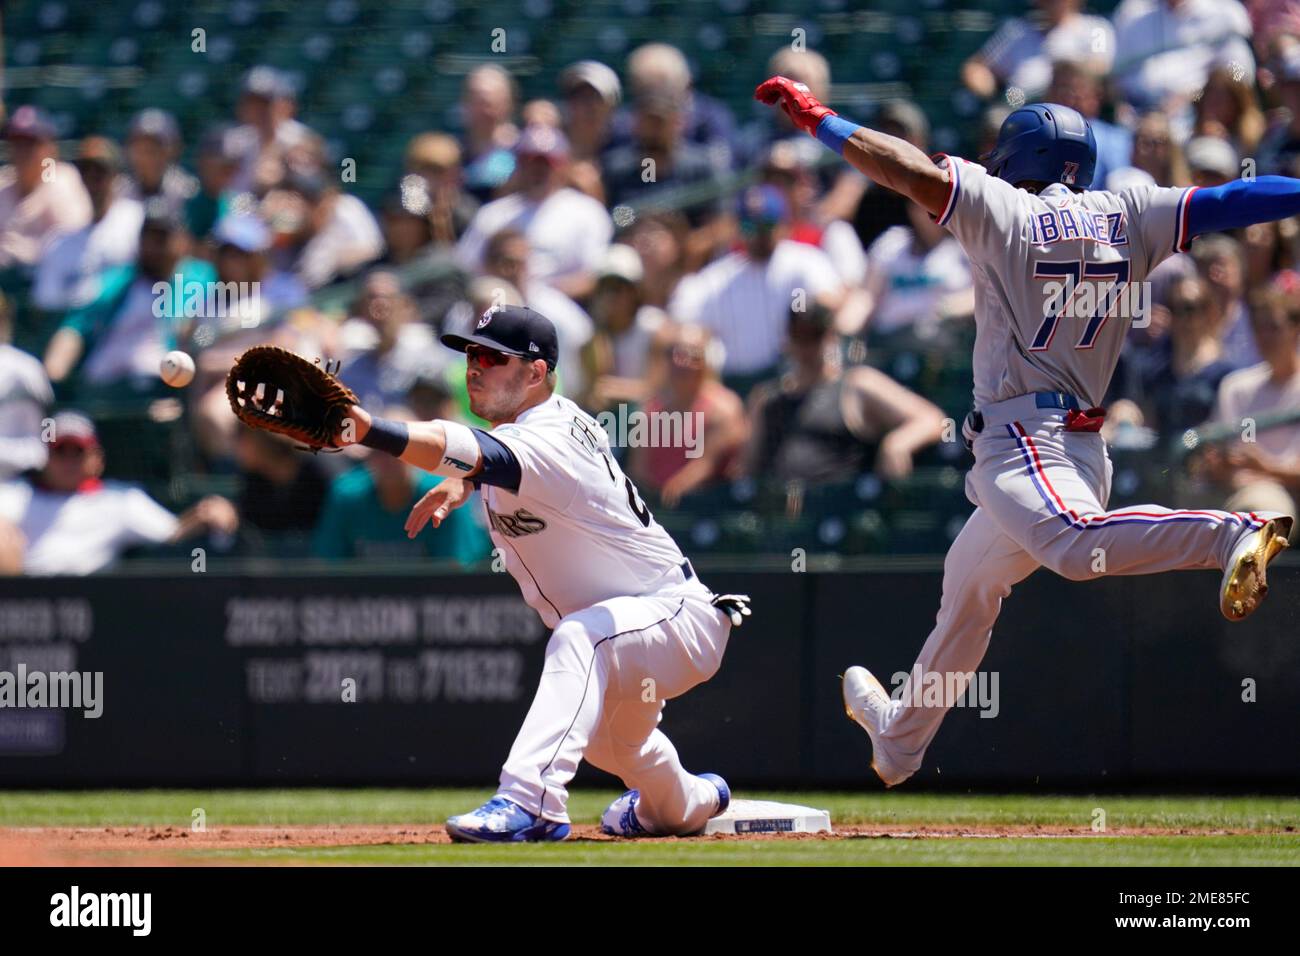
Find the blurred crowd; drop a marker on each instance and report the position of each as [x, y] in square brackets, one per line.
[691, 262]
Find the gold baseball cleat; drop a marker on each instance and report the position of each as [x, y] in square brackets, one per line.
[1244, 583]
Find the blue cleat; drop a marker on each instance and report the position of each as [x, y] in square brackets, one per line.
[619, 818]
[503, 821]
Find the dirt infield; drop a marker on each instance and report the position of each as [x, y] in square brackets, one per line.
[147, 845]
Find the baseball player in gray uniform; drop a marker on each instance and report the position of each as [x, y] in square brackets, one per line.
[1054, 266]
[632, 625]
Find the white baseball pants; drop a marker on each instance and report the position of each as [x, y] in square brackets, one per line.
[1040, 493]
[608, 671]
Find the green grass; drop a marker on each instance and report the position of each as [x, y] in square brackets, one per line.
[431, 807]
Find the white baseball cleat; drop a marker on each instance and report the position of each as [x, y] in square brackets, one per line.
[867, 705]
[1244, 582]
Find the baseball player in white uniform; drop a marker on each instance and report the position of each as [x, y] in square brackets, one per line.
[632, 625]
[1053, 266]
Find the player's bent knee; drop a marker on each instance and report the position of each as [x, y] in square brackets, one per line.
[571, 637]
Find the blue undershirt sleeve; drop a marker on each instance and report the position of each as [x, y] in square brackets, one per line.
[1242, 203]
[500, 466]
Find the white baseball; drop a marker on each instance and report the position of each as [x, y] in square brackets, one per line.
[177, 369]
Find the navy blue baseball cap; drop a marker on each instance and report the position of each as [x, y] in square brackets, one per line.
[514, 330]
[762, 205]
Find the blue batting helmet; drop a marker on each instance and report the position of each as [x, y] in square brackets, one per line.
[1046, 143]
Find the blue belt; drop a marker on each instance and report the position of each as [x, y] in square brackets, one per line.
[1061, 400]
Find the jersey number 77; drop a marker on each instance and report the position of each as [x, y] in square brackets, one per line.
[1072, 275]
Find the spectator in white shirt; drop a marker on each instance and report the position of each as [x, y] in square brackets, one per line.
[917, 275]
[68, 274]
[1167, 48]
[269, 134]
[1262, 470]
[618, 357]
[67, 520]
[323, 233]
[567, 230]
[1020, 54]
[745, 297]
[34, 205]
[25, 394]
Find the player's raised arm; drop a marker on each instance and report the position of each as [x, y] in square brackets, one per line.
[892, 162]
[1241, 202]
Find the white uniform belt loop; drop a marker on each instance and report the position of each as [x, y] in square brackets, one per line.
[1035, 405]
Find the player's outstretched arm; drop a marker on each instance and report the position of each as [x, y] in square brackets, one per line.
[892, 162]
[443, 448]
[1241, 203]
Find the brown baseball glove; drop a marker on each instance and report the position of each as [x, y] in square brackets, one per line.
[273, 389]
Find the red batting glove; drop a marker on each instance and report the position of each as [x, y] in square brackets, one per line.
[804, 110]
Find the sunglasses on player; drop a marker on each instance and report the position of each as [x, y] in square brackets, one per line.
[485, 357]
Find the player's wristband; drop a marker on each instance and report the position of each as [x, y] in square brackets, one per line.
[834, 132]
[461, 452]
[389, 436]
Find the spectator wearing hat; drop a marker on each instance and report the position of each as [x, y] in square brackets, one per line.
[567, 231]
[591, 93]
[1263, 472]
[217, 163]
[35, 207]
[488, 102]
[365, 511]
[1165, 49]
[319, 233]
[257, 293]
[138, 316]
[658, 158]
[69, 271]
[1021, 52]
[820, 423]
[617, 357]
[268, 132]
[1211, 161]
[717, 428]
[444, 204]
[153, 147]
[508, 255]
[69, 520]
[745, 296]
[25, 395]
